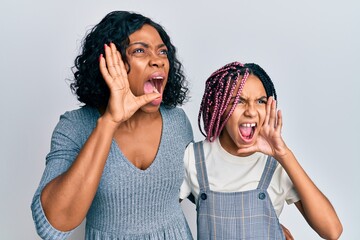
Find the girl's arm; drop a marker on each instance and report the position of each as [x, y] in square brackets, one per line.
[315, 207]
[287, 233]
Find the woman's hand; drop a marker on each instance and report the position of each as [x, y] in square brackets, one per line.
[122, 102]
[269, 140]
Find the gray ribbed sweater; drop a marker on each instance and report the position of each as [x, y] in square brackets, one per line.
[130, 203]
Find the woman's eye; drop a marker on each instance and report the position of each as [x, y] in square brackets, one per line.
[138, 50]
[164, 52]
[262, 101]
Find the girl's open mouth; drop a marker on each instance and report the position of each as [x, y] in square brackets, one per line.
[247, 131]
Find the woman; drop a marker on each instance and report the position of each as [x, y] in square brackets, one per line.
[117, 161]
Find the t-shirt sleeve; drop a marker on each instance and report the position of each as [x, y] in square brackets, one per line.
[62, 153]
[292, 196]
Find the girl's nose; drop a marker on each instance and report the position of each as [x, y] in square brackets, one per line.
[250, 110]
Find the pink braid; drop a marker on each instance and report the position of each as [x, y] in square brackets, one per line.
[219, 89]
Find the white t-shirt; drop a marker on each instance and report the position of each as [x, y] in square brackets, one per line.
[229, 173]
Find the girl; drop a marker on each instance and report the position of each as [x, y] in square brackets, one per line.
[243, 172]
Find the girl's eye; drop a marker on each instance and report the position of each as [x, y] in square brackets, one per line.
[240, 101]
[262, 101]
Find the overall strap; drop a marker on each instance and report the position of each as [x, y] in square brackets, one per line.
[267, 174]
[200, 166]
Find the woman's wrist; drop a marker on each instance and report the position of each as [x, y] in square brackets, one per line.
[107, 123]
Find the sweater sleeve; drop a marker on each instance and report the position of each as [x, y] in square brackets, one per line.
[43, 227]
[187, 127]
[62, 153]
[185, 189]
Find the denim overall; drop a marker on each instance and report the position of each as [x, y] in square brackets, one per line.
[235, 215]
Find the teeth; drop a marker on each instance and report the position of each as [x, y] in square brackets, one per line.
[248, 124]
[155, 82]
[160, 78]
[155, 90]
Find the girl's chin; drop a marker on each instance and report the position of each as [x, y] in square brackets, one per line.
[245, 146]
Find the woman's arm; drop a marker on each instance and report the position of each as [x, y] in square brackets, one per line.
[67, 198]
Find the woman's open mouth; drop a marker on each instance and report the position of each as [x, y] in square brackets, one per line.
[154, 85]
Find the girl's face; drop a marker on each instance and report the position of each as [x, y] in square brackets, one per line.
[243, 126]
[149, 64]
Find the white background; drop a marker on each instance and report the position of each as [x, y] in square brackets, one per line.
[309, 48]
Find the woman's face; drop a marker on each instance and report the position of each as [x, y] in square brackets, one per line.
[243, 126]
[148, 61]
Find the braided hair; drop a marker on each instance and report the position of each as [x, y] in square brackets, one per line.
[219, 89]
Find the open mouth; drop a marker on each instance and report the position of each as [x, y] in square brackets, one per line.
[247, 131]
[154, 85]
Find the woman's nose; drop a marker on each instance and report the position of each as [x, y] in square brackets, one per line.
[156, 61]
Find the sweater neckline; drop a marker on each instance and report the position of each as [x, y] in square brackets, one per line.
[156, 158]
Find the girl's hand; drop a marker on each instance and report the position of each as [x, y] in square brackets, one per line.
[269, 140]
[287, 233]
[122, 102]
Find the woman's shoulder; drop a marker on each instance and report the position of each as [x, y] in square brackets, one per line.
[175, 115]
[174, 111]
[81, 118]
[176, 121]
[84, 112]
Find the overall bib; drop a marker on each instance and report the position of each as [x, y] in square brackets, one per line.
[235, 215]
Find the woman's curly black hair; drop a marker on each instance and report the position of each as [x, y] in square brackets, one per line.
[115, 27]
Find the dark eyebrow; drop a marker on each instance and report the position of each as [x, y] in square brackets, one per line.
[243, 99]
[141, 43]
[162, 45]
[147, 45]
[263, 97]
[233, 98]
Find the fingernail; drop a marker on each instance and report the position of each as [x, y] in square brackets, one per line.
[101, 55]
